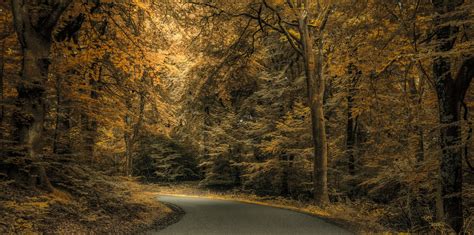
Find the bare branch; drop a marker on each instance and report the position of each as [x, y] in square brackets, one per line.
[326, 15]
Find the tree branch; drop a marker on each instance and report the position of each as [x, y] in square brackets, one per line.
[464, 77]
[261, 21]
[326, 14]
[291, 39]
[53, 18]
[19, 19]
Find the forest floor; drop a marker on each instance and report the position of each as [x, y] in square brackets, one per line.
[341, 214]
[84, 202]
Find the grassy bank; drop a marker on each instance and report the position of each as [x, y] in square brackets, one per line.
[84, 201]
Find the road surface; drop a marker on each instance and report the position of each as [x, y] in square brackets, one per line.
[209, 216]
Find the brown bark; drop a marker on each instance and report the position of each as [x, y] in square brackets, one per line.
[34, 33]
[315, 85]
[131, 135]
[416, 94]
[89, 122]
[450, 91]
[127, 136]
[2, 96]
[451, 161]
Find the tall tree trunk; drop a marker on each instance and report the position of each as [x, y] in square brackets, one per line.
[451, 161]
[30, 100]
[34, 31]
[128, 150]
[92, 125]
[127, 136]
[89, 122]
[450, 92]
[350, 136]
[133, 130]
[2, 96]
[416, 97]
[315, 85]
[351, 129]
[138, 125]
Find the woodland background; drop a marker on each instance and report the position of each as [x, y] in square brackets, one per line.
[357, 103]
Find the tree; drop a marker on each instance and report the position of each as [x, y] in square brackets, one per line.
[351, 129]
[451, 90]
[315, 85]
[160, 159]
[4, 33]
[34, 24]
[309, 45]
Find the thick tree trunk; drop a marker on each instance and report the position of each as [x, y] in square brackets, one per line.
[450, 96]
[29, 118]
[315, 85]
[450, 92]
[34, 33]
[31, 97]
[451, 161]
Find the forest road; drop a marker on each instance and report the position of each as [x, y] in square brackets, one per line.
[211, 216]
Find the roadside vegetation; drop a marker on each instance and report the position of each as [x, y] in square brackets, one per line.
[84, 201]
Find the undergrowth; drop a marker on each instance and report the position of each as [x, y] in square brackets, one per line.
[84, 201]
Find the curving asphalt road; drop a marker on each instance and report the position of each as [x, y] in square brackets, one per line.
[208, 216]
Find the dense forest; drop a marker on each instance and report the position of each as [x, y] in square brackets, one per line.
[363, 104]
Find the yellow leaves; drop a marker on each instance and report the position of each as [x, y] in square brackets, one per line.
[291, 132]
[26, 206]
[10, 52]
[276, 3]
[33, 206]
[121, 62]
[92, 217]
[272, 147]
[141, 4]
[61, 196]
[294, 33]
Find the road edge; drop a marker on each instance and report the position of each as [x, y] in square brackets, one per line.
[347, 225]
[169, 220]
